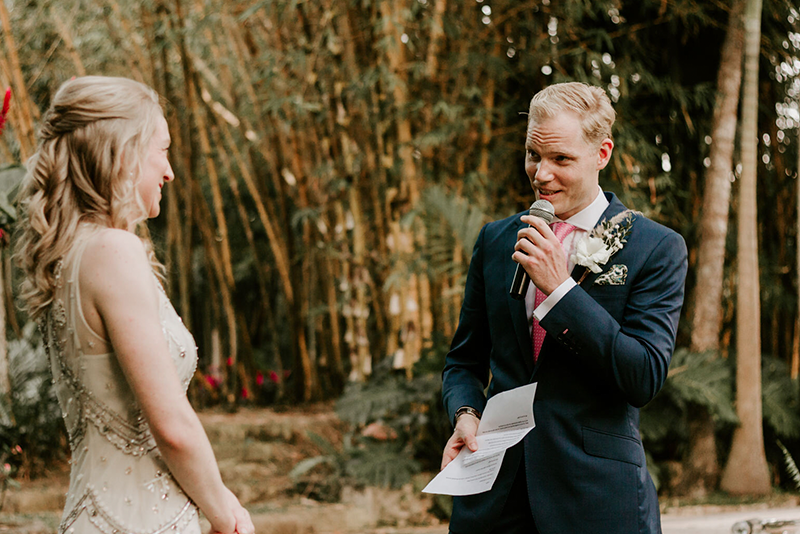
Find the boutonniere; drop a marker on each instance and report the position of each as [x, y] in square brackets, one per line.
[605, 240]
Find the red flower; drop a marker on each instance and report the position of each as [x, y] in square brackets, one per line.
[229, 361]
[6, 106]
[273, 376]
[259, 378]
[211, 381]
[245, 393]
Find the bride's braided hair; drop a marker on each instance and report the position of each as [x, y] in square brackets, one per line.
[91, 145]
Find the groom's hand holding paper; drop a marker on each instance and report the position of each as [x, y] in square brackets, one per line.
[507, 418]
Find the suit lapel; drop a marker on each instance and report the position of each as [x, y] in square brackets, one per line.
[519, 315]
[614, 207]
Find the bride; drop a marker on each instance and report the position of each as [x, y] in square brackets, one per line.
[120, 356]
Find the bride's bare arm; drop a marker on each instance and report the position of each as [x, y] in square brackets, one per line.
[117, 282]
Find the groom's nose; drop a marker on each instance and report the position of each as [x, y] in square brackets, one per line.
[544, 172]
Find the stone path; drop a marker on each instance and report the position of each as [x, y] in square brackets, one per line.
[721, 522]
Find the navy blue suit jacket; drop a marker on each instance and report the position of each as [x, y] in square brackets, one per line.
[606, 353]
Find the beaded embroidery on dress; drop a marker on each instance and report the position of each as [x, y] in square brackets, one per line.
[118, 481]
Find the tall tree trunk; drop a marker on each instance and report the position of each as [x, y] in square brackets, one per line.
[746, 471]
[796, 345]
[701, 466]
[707, 318]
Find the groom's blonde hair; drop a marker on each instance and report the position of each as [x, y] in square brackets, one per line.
[591, 104]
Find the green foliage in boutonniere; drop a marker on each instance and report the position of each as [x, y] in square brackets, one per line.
[605, 240]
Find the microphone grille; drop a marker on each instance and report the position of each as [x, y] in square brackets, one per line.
[543, 209]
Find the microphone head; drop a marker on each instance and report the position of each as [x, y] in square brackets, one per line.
[543, 209]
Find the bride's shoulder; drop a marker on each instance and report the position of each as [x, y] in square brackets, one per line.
[114, 242]
[113, 254]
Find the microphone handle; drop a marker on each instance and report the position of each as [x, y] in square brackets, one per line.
[519, 287]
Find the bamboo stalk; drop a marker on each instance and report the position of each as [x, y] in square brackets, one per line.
[130, 58]
[488, 110]
[358, 126]
[275, 240]
[8, 292]
[139, 58]
[395, 54]
[5, 152]
[437, 32]
[216, 193]
[359, 281]
[271, 325]
[795, 367]
[215, 263]
[5, 380]
[262, 145]
[199, 210]
[18, 114]
[295, 173]
[180, 233]
[227, 81]
[66, 36]
[356, 370]
[281, 259]
[243, 215]
[329, 280]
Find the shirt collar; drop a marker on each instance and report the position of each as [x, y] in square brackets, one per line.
[587, 218]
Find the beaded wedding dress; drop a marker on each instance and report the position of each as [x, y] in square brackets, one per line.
[118, 482]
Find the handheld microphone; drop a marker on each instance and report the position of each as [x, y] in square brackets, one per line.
[519, 287]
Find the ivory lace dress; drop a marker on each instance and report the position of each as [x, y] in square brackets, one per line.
[118, 481]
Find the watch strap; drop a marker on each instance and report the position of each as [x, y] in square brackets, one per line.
[466, 410]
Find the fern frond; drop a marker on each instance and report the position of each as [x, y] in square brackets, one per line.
[791, 466]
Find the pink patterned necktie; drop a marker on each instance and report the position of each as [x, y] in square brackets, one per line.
[562, 230]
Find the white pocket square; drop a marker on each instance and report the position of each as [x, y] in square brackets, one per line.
[616, 276]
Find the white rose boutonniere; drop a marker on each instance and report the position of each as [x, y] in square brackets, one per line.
[592, 253]
[605, 240]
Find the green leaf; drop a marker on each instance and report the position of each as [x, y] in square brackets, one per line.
[304, 466]
[11, 177]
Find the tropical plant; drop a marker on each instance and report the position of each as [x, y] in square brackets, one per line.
[32, 434]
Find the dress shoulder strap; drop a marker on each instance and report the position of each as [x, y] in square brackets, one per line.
[76, 307]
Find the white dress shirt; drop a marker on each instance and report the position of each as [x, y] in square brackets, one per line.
[584, 221]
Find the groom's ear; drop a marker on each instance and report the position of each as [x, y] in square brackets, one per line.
[604, 153]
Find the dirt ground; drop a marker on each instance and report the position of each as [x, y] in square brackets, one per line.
[256, 450]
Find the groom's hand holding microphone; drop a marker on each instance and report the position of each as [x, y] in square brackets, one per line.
[538, 253]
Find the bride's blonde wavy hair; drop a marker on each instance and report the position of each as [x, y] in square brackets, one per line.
[92, 144]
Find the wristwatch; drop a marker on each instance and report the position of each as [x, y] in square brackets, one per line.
[466, 409]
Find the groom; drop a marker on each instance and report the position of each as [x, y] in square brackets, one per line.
[596, 336]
